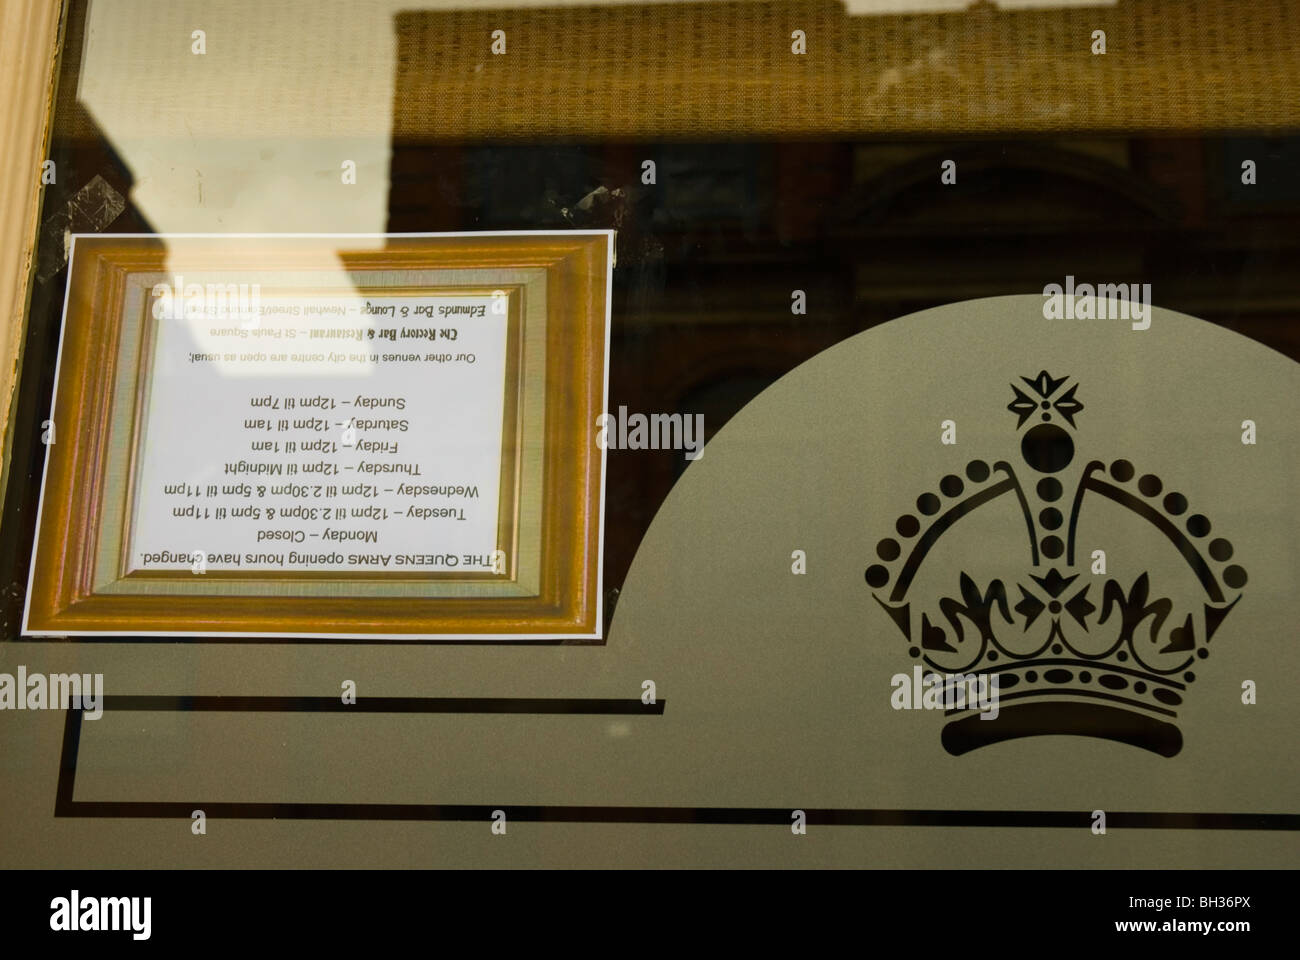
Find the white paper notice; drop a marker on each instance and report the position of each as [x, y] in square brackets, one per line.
[333, 433]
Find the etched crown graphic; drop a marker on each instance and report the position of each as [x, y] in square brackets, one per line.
[1073, 650]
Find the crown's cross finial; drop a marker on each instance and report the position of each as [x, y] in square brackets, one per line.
[1046, 446]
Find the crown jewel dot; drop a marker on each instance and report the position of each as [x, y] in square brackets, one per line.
[1047, 448]
[1122, 471]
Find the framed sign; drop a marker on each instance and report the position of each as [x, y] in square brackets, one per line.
[310, 436]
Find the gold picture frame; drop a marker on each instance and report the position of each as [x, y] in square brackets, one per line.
[551, 484]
